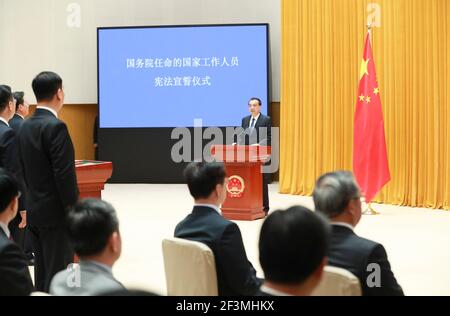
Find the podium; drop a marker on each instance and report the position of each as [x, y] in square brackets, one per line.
[91, 177]
[243, 165]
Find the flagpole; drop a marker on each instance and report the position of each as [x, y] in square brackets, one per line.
[370, 210]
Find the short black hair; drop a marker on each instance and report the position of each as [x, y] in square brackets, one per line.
[9, 189]
[46, 85]
[90, 224]
[292, 245]
[19, 97]
[202, 178]
[334, 191]
[255, 99]
[5, 96]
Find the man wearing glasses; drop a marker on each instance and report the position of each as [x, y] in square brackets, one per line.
[337, 196]
[257, 133]
[22, 111]
[9, 158]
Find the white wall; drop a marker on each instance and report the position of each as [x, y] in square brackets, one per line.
[35, 36]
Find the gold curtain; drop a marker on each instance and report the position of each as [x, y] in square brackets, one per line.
[322, 46]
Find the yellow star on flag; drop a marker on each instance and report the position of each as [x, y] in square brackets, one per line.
[364, 68]
[376, 91]
[361, 98]
[368, 99]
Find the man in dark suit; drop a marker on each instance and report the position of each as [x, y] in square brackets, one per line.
[337, 196]
[9, 159]
[22, 111]
[258, 132]
[48, 159]
[208, 185]
[21, 235]
[293, 246]
[15, 277]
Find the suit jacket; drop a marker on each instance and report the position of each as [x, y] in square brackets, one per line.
[9, 159]
[256, 135]
[94, 279]
[353, 253]
[48, 163]
[15, 277]
[235, 274]
[262, 293]
[16, 123]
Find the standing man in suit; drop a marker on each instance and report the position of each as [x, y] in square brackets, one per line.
[48, 159]
[293, 246]
[258, 133]
[22, 111]
[208, 185]
[93, 229]
[9, 159]
[337, 196]
[15, 277]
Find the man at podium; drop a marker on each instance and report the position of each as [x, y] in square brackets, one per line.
[257, 133]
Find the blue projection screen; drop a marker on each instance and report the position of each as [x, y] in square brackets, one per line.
[156, 77]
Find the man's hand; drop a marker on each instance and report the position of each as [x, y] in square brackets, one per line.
[23, 223]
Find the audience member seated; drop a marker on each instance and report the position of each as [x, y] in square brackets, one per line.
[338, 197]
[93, 230]
[207, 184]
[15, 277]
[293, 247]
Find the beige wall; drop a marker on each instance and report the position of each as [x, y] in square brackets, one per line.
[35, 36]
[80, 121]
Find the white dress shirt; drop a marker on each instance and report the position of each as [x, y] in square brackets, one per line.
[4, 121]
[343, 225]
[210, 206]
[256, 120]
[5, 228]
[48, 109]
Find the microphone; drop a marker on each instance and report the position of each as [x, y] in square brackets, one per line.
[238, 137]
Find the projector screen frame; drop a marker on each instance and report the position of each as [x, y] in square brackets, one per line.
[268, 60]
[142, 154]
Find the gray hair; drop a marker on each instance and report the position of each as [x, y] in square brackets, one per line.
[333, 192]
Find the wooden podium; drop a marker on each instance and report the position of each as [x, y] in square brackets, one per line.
[91, 177]
[245, 188]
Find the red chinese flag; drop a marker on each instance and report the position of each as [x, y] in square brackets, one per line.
[370, 162]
